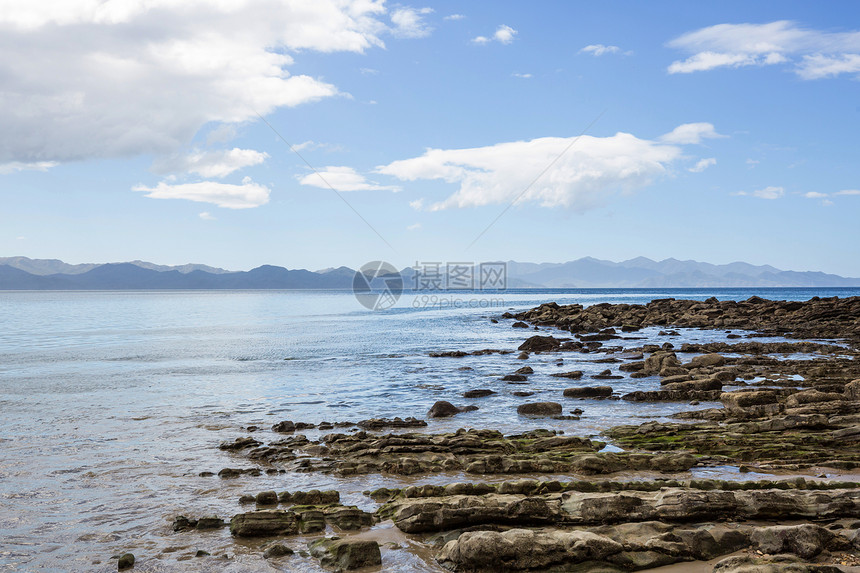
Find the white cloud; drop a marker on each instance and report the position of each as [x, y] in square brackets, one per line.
[822, 54]
[581, 177]
[244, 196]
[343, 179]
[815, 195]
[417, 204]
[210, 163]
[752, 162]
[690, 133]
[207, 216]
[503, 34]
[766, 193]
[409, 22]
[14, 166]
[454, 17]
[524, 76]
[827, 203]
[414, 227]
[600, 49]
[86, 78]
[222, 134]
[848, 192]
[703, 164]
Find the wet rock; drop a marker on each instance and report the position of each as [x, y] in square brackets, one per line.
[311, 497]
[539, 409]
[210, 522]
[706, 360]
[443, 409]
[812, 397]
[770, 564]
[519, 324]
[262, 523]
[228, 473]
[276, 550]
[382, 423]
[575, 375]
[267, 498]
[481, 393]
[239, 444]
[348, 518]
[346, 553]
[660, 361]
[182, 523]
[285, 427]
[539, 343]
[514, 378]
[525, 370]
[523, 393]
[523, 356]
[588, 392]
[126, 561]
[735, 400]
[606, 375]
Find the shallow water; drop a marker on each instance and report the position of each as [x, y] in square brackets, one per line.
[112, 403]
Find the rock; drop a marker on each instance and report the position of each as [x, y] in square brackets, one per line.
[267, 498]
[525, 550]
[706, 360]
[239, 444]
[311, 497]
[770, 564]
[525, 370]
[659, 361]
[539, 409]
[523, 356]
[735, 400]
[346, 553]
[606, 375]
[380, 423]
[201, 553]
[276, 550]
[812, 397]
[210, 522]
[539, 343]
[126, 561]
[514, 378]
[265, 522]
[852, 390]
[477, 393]
[519, 324]
[575, 375]
[285, 427]
[523, 393]
[588, 392]
[443, 409]
[806, 540]
[182, 523]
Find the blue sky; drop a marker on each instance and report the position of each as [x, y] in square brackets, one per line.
[717, 132]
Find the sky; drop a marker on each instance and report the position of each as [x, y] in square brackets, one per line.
[237, 133]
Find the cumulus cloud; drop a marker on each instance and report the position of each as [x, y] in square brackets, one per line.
[15, 166]
[85, 78]
[600, 49]
[210, 163]
[690, 133]
[814, 54]
[207, 216]
[703, 164]
[343, 179]
[766, 193]
[580, 178]
[228, 196]
[409, 22]
[503, 34]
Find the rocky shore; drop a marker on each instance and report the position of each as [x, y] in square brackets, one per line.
[542, 500]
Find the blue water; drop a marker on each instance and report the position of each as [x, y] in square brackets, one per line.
[113, 402]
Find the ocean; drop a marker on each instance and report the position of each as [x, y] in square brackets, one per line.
[114, 402]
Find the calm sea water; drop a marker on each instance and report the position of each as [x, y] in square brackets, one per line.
[113, 402]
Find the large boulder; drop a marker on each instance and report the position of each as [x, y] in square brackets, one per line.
[706, 360]
[346, 553]
[735, 400]
[264, 523]
[444, 409]
[539, 409]
[805, 540]
[662, 361]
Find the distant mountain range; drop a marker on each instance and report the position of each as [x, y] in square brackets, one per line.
[22, 273]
